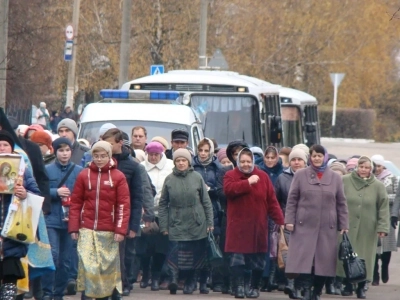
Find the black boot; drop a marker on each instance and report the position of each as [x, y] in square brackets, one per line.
[226, 287]
[272, 285]
[8, 291]
[338, 285]
[385, 266]
[319, 282]
[238, 281]
[116, 295]
[298, 285]
[155, 281]
[376, 278]
[289, 289]
[361, 291]
[247, 281]
[255, 284]
[307, 281]
[233, 286]
[189, 283]
[173, 279]
[329, 287]
[348, 289]
[264, 286]
[204, 275]
[145, 279]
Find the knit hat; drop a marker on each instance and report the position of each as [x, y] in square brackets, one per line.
[102, 145]
[105, 127]
[378, 159]
[6, 136]
[84, 142]
[154, 147]
[351, 164]
[42, 104]
[221, 154]
[70, 124]
[161, 140]
[298, 153]
[35, 127]
[331, 161]
[41, 137]
[304, 148]
[182, 153]
[337, 166]
[140, 155]
[60, 141]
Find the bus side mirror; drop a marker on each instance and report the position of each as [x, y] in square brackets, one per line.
[275, 130]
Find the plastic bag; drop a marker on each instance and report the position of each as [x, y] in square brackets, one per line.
[282, 249]
[22, 219]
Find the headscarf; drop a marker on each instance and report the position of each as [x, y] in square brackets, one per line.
[324, 165]
[274, 171]
[210, 155]
[232, 145]
[238, 160]
[359, 163]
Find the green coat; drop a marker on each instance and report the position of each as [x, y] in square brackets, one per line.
[368, 205]
[185, 209]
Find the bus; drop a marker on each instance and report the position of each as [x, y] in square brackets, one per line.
[229, 105]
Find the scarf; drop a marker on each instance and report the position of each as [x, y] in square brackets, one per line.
[383, 174]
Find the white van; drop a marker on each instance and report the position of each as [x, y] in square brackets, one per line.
[126, 111]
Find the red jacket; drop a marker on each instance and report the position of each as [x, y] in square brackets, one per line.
[247, 209]
[100, 200]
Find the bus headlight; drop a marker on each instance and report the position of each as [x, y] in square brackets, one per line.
[137, 87]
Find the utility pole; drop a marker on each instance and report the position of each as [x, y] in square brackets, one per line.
[71, 88]
[203, 35]
[3, 51]
[125, 42]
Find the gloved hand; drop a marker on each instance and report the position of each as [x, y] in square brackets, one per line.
[393, 221]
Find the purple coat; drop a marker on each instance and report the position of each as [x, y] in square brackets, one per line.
[318, 210]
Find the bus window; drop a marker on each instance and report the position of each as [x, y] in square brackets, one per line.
[311, 125]
[228, 118]
[291, 123]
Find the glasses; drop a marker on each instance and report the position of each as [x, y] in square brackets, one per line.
[98, 157]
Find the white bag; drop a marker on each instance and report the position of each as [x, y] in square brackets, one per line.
[22, 219]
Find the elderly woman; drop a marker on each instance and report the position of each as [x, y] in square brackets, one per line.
[389, 242]
[186, 215]
[369, 218]
[297, 161]
[153, 248]
[250, 199]
[99, 218]
[316, 210]
[12, 251]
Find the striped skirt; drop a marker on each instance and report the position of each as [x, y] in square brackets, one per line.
[187, 255]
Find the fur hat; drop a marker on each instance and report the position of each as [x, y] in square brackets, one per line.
[70, 124]
[154, 147]
[102, 145]
[42, 137]
[60, 141]
[298, 153]
[6, 136]
[337, 166]
[182, 153]
[221, 154]
[105, 127]
[161, 140]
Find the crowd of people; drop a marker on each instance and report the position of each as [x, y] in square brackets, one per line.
[125, 211]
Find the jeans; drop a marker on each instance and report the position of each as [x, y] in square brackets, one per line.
[73, 267]
[55, 282]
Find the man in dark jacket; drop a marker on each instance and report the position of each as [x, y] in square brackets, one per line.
[131, 171]
[68, 128]
[179, 139]
[68, 113]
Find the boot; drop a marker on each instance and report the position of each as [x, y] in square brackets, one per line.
[239, 288]
[385, 266]
[361, 291]
[264, 287]
[375, 281]
[319, 282]
[255, 284]
[189, 283]
[226, 287]
[329, 287]
[272, 285]
[155, 279]
[247, 281]
[289, 289]
[144, 283]
[8, 291]
[307, 281]
[116, 295]
[338, 285]
[298, 284]
[233, 286]
[203, 281]
[173, 280]
[348, 289]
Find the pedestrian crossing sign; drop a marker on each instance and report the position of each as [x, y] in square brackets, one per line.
[156, 69]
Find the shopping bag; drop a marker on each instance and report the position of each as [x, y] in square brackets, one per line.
[354, 267]
[282, 249]
[214, 253]
[345, 247]
[22, 219]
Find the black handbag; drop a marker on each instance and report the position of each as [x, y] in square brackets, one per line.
[214, 253]
[354, 267]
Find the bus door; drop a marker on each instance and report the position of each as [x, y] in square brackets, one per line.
[271, 114]
[311, 125]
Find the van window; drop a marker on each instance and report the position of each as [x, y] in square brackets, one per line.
[90, 131]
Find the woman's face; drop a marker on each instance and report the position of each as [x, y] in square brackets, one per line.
[5, 147]
[297, 164]
[6, 170]
[270, 159]
[317, 159]
[154, 158]
[100, 158]
[181, 163]
[204, 152]
[379, 169]
[226, 162]
[246, 163]
[364, 169]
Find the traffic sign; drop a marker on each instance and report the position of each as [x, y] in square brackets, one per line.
[68, 50]
[156, 69]
[69, 32]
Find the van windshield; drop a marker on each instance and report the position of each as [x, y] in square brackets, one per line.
[90, 131]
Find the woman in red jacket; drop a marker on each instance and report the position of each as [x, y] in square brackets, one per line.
[250, 199]
[99, 217]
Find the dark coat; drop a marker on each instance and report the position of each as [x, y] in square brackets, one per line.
[78, 152]
[248, 209]
[131, 170]
[56, 173]
[282, 187]
[71, 115]
[12, 248]
[273, 172]
[318, 209]
[39, 171]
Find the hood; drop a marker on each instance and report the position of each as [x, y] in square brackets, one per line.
[232, 145]
[124, 155]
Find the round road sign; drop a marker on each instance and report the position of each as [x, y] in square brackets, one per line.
[69, 32]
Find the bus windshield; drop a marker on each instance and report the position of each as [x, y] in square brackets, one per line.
[291, 125]
[90, 130]
[228, 118]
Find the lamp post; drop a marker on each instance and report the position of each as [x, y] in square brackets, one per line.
[336, 79]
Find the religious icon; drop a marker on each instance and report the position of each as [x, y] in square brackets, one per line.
[9, 170]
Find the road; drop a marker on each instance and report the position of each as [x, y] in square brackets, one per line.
[342, 149]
